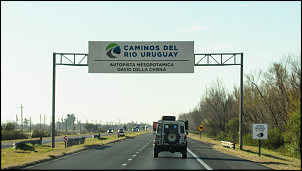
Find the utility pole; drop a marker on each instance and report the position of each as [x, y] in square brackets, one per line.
[44, 121]
[21, 117]
[29, 124]
[40, 123]
[16, 121]
[62, 123]
[50, 124]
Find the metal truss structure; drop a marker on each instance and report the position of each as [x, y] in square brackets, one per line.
[218, 59]
[201, 59]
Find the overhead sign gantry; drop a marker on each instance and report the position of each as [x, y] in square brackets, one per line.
[145, 57]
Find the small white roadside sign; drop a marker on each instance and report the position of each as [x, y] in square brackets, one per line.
[260, 131]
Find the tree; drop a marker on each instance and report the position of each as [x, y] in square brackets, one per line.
[293, 131]
[9, 126]
[90, 127]
[217, 105]
[26, 122]
[233, 127]
[70, 121]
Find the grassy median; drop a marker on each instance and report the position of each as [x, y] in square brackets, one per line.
[16, 159]
[267, 158]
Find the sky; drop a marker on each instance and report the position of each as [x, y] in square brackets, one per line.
[264, 31]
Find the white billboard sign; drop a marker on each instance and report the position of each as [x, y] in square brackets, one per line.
[260, 131]
[141, 57]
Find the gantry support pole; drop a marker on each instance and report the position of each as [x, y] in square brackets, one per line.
[53, 98]
[241, 102]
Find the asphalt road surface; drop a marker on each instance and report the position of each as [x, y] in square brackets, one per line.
[136, 153]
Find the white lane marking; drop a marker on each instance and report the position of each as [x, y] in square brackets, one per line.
[129, 160]
[200, 161]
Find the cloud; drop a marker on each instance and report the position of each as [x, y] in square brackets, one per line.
[195, 28]
[243, 5]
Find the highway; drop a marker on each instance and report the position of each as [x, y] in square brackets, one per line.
[136, 153]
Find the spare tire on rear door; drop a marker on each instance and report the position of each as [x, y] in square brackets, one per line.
[171, 137]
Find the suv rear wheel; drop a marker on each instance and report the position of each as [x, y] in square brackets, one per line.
[155, 154]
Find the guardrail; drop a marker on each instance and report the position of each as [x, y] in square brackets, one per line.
[75, 141]
[228, 144]
[96, 136]
[22, 143]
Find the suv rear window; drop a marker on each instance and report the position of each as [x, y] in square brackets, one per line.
[182, 129]
[159, 127]
[169, 127]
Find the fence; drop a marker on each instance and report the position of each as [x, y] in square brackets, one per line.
[228, 144]
[96, 136]
[75, 141]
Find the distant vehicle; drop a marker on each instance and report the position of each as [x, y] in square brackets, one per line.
[120, 133]
[135, 129]
[154, 126]
[110, 131]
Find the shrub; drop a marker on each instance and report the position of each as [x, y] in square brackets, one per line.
[8, 126]
[275, 139]
[247, 140]
[12, 135]
[221, 136]
[211, 128]
[37, 133]
[292, 136]
[28, 147]
[232, 127]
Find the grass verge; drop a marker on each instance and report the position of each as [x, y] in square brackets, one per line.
[267, 158]
[16, 159]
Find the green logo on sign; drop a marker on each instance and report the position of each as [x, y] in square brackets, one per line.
[113, 49]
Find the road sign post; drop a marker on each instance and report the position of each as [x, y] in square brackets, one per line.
[259, 147]
[260, 132]
[65, 139]
[200, 128]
